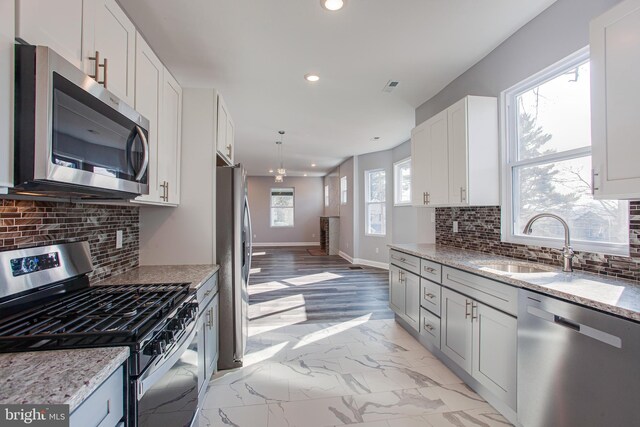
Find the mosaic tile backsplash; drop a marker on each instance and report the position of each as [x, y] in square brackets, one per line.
[35, 223]
[479, 229]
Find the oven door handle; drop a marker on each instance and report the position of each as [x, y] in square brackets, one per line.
[145, 159]
[151, 376]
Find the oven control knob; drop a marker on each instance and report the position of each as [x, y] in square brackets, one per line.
[155, 347]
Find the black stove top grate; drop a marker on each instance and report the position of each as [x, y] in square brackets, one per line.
[92, 317]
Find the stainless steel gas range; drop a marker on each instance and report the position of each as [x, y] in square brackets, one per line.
[46, 303]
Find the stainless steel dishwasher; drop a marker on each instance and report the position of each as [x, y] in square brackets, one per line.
[576, 366]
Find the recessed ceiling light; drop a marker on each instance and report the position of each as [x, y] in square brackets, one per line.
[311, 77]
[270, 170]
[375, 138]
[305, 174]
[313, 165]
[332, 5]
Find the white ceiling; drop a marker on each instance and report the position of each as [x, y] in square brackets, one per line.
[256, 52]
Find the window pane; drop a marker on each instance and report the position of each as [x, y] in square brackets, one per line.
[376, 218]
[282, 197]
[343, 190]
[282, 217]
[555, 116]
[404, 187]
[326, 195]
[564, 188]
[377, 186]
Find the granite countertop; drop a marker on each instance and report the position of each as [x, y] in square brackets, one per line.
[196, 275]
[57, 377]
[608, 294]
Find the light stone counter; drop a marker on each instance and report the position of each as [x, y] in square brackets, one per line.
[58, 376]
[196, 275]
[608, 294]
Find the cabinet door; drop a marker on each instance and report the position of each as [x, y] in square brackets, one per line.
[56, 24]
[615, 89]
[149, 78]
[6, 93]
[437, 160]
[231, 134]
[108, 31]
[419, 170]
[396, 291]
[412, 299]
[494, 351]
[456, 333]
[211, 338]
[171, 140]
[458, 152]
[222, 140]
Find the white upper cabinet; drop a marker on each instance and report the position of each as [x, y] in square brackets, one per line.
[110, 33]
[615, 90]
[94, 35]
[6, 93]
[56, 24]
[429, 160]
[148, 102]
[169, 156]
[225, 132]
[454, 156]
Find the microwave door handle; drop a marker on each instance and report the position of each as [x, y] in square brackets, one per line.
[145, 159]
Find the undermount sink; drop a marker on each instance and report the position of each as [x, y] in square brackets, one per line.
[514, 268]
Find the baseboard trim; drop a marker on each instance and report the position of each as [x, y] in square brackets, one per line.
[345, 256]
[276, 244]
[376, 264]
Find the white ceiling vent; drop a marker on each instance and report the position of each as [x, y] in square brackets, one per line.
[390, 86]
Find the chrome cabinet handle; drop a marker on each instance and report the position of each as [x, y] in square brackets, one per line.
[593, 181]
[428, 198]
[467, 303]
[424, 198]
[229, 150]
[463, 194]
[430, 269]
[474, 311]
[429, 295]
[164, 190]
[96, 69]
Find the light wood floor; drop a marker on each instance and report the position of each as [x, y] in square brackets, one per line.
[290, 286]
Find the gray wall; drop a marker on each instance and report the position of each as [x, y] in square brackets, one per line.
[346, 211]
[374, 248]
[409, 224]
[309, 206]
[333, 181]
[560, 30]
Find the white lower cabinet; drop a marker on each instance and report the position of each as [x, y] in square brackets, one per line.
[494, 352]
[404, 295]
[105, 406]
[457, 329]
[211, 338]
[482, 341]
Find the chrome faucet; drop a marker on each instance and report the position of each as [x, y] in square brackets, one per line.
[567, 251]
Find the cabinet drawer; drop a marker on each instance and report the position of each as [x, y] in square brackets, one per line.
[408, 262]
[208, 289]
[496, 294]
[430, 327]
[105, 406]
[431, 270]
[430, 296]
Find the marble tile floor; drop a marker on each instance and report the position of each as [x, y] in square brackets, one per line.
[358, 372]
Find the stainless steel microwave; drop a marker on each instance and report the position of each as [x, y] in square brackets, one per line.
[73, 138]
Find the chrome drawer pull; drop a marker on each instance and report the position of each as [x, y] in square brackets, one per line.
[430, 270]
[467, 303]
[429, 295]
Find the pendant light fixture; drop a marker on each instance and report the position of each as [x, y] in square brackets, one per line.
[281, 171]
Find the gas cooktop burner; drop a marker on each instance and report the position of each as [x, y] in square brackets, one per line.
[92, 316]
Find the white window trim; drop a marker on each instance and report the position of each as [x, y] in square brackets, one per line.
[395, 186]
[507, 134]
[345, 192]
[326, 195]
[271, 207]
[367, 203]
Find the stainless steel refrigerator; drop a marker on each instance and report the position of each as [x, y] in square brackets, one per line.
[233, 252]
